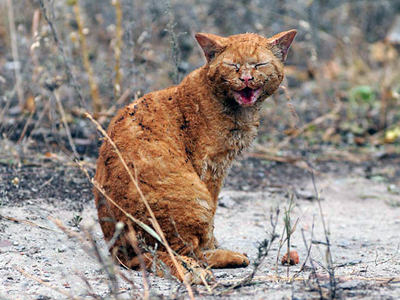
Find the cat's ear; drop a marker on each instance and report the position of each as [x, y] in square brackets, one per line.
[211, 44]
[281, 42]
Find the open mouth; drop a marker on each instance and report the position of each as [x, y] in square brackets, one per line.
[247, 96]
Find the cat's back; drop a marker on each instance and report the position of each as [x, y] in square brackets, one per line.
[143, 131]
[148, 118]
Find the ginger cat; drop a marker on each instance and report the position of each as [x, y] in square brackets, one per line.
[180, 143]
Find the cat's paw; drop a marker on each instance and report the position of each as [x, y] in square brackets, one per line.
[220, 258]
[199, 276]
[195, 273]
[238, 260]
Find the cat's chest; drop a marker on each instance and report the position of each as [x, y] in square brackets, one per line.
[220, 151]
[239, 138]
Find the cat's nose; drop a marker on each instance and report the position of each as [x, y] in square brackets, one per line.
[246, 78]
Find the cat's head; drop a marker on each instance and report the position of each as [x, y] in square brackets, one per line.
[246, 67]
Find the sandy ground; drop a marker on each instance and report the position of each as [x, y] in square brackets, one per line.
[362, 217]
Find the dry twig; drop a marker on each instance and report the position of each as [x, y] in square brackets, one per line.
[84, 240]
[61, 291]
[332, 114]
[29, 223]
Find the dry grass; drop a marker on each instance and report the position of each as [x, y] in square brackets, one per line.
[15, 55]
[82, 32]
[328, 62]
[109, 48]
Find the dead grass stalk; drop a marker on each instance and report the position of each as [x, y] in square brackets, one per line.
[142, 197]
[329, 260]
[85, 57]
[61, 291]
[134, 242]
[117, 48]
[174, 42]
[88, 244]
[15, 55]
[289, 228]
[65, 122]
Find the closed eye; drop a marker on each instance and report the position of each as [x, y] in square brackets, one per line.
[261, 65]
[236, 66]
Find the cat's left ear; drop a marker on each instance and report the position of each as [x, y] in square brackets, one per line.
[281, 42]
[211, 44]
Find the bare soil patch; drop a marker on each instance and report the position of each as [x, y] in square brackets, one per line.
[360, 205]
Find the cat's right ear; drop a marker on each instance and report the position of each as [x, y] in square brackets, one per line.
[211, 44]
[281, 42]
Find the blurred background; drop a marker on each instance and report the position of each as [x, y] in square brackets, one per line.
[59, 59]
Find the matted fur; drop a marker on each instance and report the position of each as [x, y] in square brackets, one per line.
[181, 141]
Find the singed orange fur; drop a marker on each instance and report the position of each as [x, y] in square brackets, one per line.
[181, 141]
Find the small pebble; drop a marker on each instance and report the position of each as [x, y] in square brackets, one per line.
[350, 285]
[294, 258]
[226, 201]
[344, 243]
[21, 248]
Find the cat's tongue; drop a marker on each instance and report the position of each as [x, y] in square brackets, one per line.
[247, 96]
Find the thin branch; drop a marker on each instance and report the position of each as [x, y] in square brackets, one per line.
[67, 63]
[65, 122]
